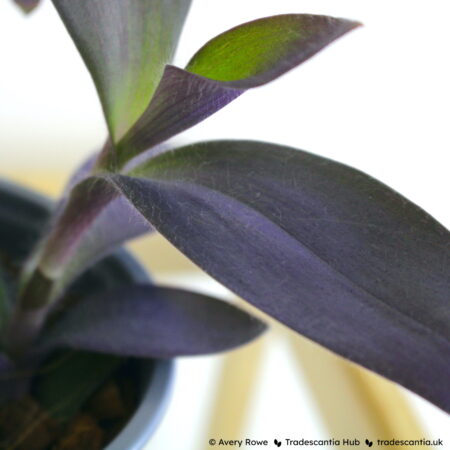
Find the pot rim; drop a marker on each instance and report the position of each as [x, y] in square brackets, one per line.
[150, 411]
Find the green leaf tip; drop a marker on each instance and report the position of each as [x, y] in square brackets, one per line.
[263, 49]
[244, 57]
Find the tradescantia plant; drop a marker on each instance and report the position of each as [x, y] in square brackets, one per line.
[325, 249]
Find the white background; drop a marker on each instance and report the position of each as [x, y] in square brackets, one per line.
[378, 99]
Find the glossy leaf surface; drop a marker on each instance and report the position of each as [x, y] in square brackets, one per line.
[324, 248]
[125, 45]
[150, 321]
[244, 57]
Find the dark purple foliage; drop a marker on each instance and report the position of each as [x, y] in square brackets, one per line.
[327, 250]
[150, 321]
[95, 220]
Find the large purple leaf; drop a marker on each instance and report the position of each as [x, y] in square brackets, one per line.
[244, 57]
[324, 248]
[150, 321]
[125, 45]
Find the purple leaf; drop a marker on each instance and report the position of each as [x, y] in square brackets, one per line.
[87, 200]
[125, 45]
[324, 248]
[68, 379]
[96, 219]
[119, 221]
[181, 100]
[244, 57]
[149, 321]
[80, 174]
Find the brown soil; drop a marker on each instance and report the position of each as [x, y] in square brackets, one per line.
[24, 425]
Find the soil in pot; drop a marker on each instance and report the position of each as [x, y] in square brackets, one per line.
[89, 420]
[26, 425]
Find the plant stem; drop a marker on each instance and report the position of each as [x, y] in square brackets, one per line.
[24, 327]
[107, 159]
[29, 316]
[43, 278]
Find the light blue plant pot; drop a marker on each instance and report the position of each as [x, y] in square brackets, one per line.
[156, 388]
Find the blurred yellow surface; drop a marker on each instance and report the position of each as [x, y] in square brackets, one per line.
[49, 183]
[352, 400]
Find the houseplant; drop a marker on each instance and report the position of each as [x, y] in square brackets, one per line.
[351, 264]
